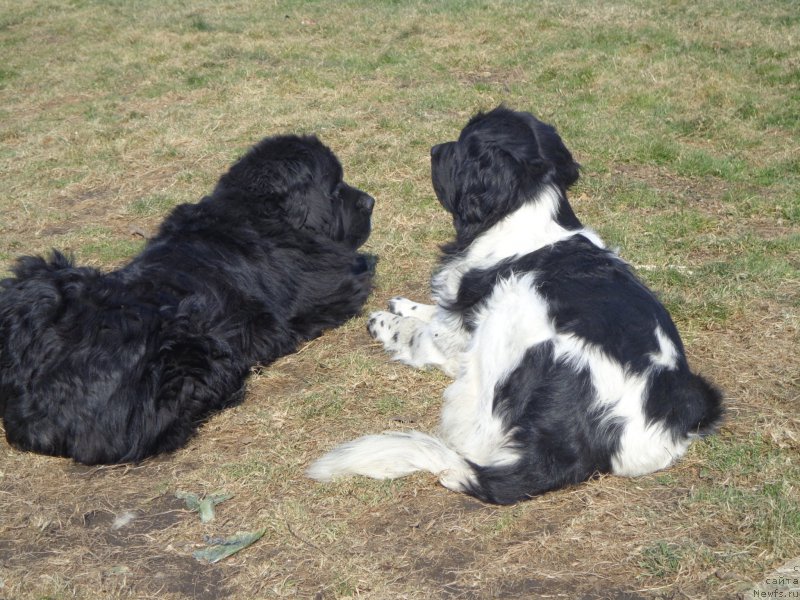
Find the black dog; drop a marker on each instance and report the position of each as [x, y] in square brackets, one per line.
[565, 364]
[115, 367]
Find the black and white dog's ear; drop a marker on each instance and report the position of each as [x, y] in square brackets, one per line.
[494, 176]
[552, 149]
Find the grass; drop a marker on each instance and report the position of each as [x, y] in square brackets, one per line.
[684, 116]
[662, 560]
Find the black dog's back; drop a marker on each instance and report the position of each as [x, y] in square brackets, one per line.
[90, 371]
[114, 367]
[60, 343]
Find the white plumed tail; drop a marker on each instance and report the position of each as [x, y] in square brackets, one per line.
[394, 454]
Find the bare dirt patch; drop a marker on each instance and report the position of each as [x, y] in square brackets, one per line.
[118, 541]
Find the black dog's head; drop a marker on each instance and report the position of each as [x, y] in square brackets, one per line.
[501, 159]
[301, 179]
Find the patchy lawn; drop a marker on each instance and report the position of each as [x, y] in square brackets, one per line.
[686, 118]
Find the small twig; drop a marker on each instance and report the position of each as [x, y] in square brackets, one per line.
[303, 349]
[317, 548]
[139, 231]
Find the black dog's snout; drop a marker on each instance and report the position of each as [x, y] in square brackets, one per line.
[365, 203]
[436, 149]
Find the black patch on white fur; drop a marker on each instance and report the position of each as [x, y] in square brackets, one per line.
[579, 279]
[561, 443]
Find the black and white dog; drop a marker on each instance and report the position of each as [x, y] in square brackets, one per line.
[565, 364]
[114, 367]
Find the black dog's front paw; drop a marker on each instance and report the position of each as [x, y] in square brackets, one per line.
[365, 263]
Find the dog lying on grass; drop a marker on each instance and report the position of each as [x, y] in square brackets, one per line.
[114, 367]
[565, 364]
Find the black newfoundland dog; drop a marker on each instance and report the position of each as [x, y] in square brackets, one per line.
[115, 367]
[565, 364]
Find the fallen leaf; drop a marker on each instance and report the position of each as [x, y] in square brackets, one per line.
[205, 506]
[228, 546]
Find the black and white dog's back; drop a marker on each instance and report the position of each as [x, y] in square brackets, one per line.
[565, 364]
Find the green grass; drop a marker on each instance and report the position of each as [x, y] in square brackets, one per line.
[746, 456]
[760, 486]
[685, 117]
[150, 206]
[662, 559]
[105, 246]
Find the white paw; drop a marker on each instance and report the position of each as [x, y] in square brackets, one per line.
[385, 327]
[403, 307]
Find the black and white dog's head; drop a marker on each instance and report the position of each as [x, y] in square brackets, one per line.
[302, 179]
[501, 159]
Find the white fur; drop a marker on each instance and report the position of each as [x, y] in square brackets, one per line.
[437, 343]
[667, 356]
[514, 319]
[529, 228]
[643, 448]
[392, 455]
[403, 307]
[123, 520]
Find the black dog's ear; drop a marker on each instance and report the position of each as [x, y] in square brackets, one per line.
[256, 173]
[289, 174]
[279, 166]
[295, 210]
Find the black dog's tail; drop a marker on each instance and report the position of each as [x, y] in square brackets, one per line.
[33, 299]
[29, 302]
[29, 267]
[37, 286]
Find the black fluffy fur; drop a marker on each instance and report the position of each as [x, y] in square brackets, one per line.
[115, 367]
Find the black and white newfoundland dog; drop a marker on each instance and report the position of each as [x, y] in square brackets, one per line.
[114, 367]
[565, 364]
